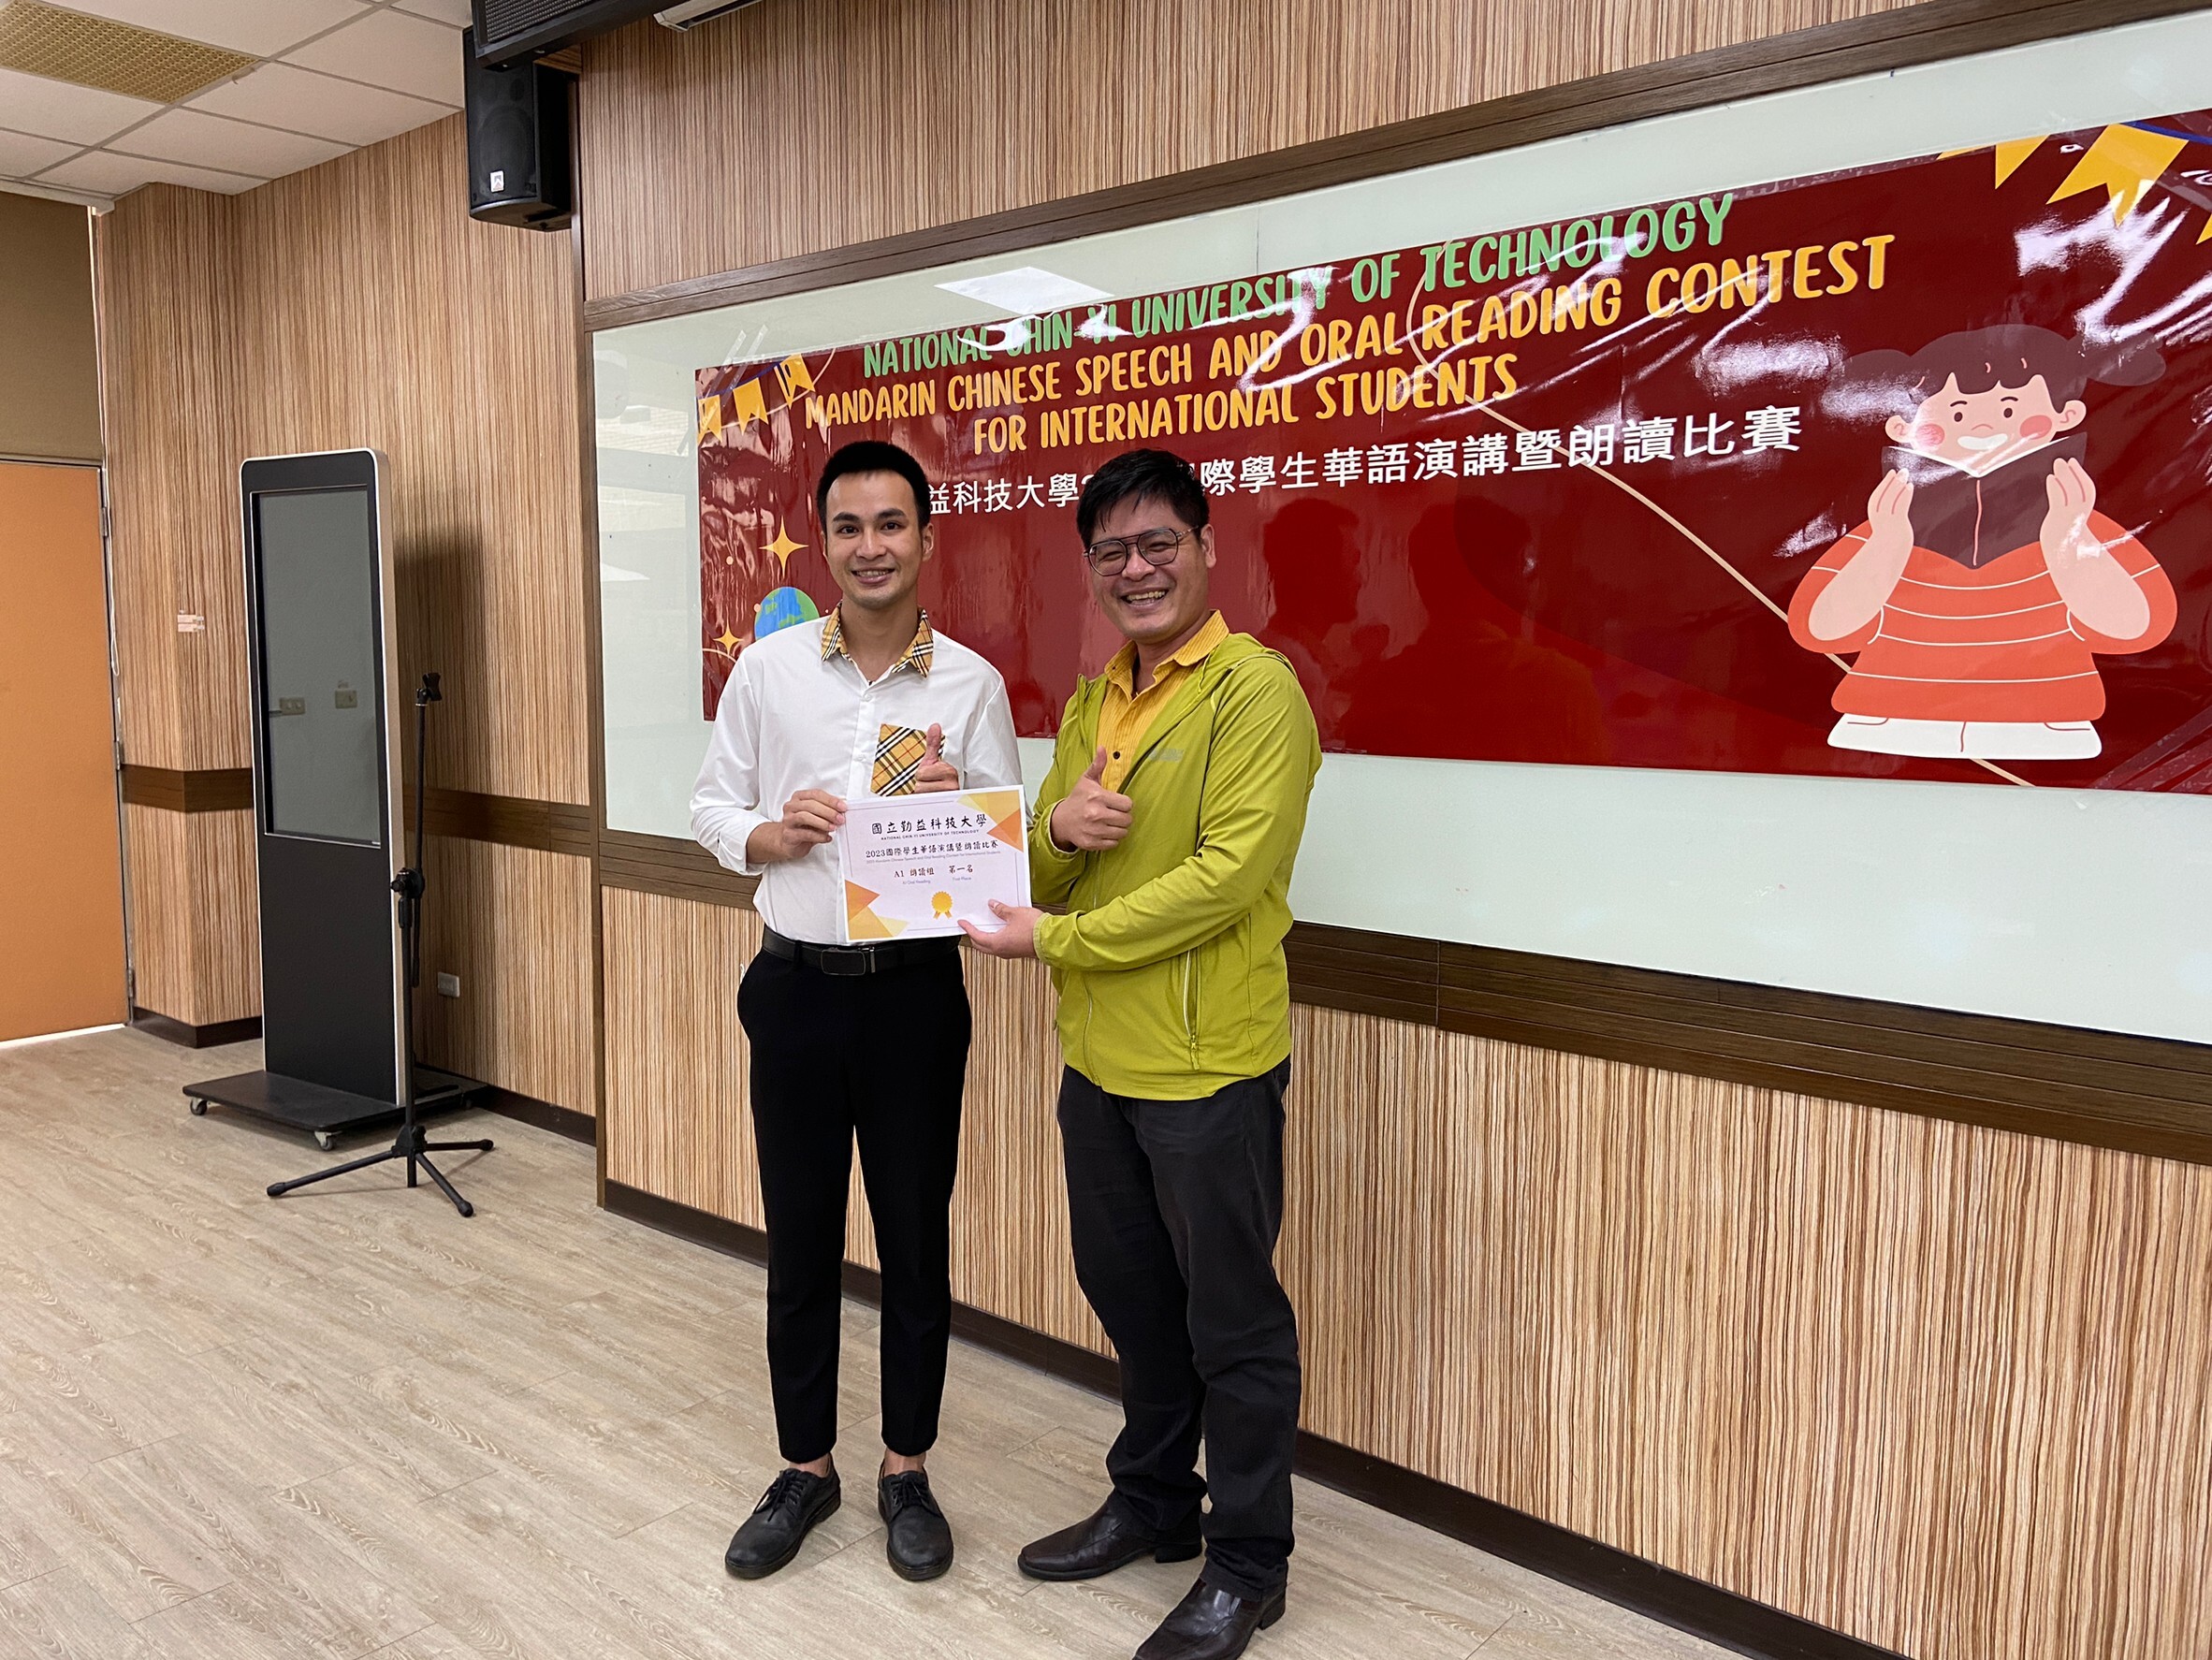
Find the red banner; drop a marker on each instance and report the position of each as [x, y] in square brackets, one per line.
[1901, 472]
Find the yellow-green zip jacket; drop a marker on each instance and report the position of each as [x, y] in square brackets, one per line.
[1170, 961]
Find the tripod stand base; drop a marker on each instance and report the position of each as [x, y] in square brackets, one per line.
[326, 1113]
[412, 1146]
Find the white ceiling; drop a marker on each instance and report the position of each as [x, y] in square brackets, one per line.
[334, 75]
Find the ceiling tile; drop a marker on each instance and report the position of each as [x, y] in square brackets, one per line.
[21, 155]
[234, 146]
[450, 11]
[112, 175]
[283, 96]
[64, 45]
[392, 49]
[83, 114]
[262, 27]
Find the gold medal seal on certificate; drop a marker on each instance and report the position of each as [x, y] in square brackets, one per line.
[918, 865]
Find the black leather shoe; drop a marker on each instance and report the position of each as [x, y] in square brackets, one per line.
[1210, 1623]
[1100, 1543]
[779, 1523]
[916, 1537]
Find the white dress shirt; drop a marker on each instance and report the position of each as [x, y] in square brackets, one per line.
[795, 716]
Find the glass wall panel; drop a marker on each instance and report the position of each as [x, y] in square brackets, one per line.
[1958, 897]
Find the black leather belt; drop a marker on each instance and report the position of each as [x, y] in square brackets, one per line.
[847, 960]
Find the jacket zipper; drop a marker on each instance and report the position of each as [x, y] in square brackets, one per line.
[1191, 997]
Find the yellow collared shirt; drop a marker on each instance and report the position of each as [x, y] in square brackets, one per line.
[1129, 714]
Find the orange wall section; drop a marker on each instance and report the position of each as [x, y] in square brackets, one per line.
[63, 969]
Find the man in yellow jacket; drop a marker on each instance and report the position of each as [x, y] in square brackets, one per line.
[1167, 830]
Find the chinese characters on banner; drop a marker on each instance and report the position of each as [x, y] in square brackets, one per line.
[1902, 472]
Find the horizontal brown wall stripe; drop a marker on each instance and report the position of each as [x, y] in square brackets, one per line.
[213, 790]
[511, 821]
[2158, 1068]
[1914, 34]
[553, 826]
[1393, 975]
[662, 865]
[187, 1036]
[2108, 1089]
[2103, 1089]
[528, 1109]
[1735, 1621]
[1990, 1102]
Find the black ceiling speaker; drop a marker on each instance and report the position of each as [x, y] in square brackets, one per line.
[509, 29]
[519, 142]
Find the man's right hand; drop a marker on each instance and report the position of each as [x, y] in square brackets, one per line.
[1092, 818]
[810, 818]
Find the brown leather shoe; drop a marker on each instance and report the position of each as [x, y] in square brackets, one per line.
[1101, 1542]
[1210, 1623]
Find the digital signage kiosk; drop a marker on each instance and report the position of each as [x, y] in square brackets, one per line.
[328, 834]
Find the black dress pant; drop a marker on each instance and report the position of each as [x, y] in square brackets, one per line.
[881, 1058]
[1176, 1208]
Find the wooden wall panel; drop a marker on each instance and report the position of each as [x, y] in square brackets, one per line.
[676, 1079]
[375, 311]
[1937, 1386]
[357, 304]
[751, 140]
[196, 940]
[168, 347]
[1010, 1207]
[514, 923]
[156, 852]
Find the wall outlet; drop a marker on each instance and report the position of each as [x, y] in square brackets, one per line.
[449, 986]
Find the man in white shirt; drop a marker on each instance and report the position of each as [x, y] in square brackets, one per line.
[852, 1040]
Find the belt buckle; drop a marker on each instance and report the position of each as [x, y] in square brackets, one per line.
[846, 961]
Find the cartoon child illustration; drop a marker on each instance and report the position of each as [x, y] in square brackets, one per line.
[1984, 580]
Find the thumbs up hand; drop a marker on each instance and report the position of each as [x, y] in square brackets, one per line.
[936, 772]
[1092, 818]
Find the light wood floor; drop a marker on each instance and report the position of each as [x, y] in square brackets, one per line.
[350, 1423]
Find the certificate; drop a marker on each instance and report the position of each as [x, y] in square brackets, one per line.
[917, 866]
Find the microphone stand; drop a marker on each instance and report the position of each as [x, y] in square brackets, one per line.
[408, 888]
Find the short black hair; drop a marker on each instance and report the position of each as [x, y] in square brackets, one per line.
[873, 455]
[1142, 476]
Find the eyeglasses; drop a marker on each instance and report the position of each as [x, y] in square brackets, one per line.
[1158, 547]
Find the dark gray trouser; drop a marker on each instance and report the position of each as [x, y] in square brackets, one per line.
[1176, 1208]
[880, 1060]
